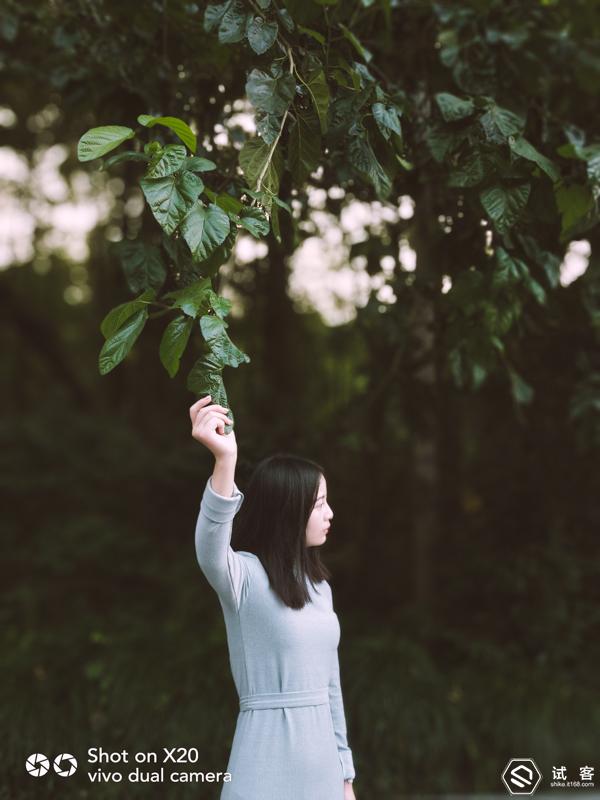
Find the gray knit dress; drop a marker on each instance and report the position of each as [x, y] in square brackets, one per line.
[290, 737]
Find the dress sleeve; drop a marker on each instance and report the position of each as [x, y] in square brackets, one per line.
[336, 703]
[225, 570]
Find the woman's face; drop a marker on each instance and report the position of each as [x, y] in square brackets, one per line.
[318, 522]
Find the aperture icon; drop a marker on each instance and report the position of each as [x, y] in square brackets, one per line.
[37, 765]
[65, 765]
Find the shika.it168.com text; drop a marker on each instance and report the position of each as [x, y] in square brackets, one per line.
[149, 766]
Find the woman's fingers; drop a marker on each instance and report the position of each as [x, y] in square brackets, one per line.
[197, 405]
[202, 411]
[209, 423]
[205, 413]
[220, 416]
[215, 423]
[213, 415]
[207, 418]
[202, 405]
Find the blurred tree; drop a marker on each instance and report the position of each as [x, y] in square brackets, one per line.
[481, 118]
[472, 122]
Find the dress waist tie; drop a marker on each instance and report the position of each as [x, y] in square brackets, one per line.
[305, 697]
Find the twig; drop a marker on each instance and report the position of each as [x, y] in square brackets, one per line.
[276, 140]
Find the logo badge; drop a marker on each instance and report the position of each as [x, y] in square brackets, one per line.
[65, 765]
[521, 776]
[37, 765]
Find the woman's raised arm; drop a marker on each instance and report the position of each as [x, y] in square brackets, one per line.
[224, 569]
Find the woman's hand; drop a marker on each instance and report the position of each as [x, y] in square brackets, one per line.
[349, 791]
[208, 428]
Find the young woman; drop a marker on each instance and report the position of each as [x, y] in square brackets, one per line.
[283, 634]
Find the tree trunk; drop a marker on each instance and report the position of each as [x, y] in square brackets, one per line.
[425, 400]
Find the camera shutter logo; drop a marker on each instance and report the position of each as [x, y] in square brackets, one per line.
[65, 765]
[521, 776]
[37, 765]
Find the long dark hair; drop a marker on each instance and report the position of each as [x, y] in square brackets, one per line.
[272, 520]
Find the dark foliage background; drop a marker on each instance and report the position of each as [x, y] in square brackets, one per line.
[464, 546]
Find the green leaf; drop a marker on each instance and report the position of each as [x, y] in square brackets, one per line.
[219, 256]
[574, 203]
[212, 327]
[153, 149]
[254, 221]
[515, 269]
[170, 198]
[455, 363]
[229, 203]
[523, 148]
[117, 346]
[185, 269]
[591, 155]
[285, 19]
[171, 159]
[319, 92]
[346, 110]
[174, 341]
[263, 197]
[478, 374]
[453, 107]
[193, 299]
[197, 164]
[363, 159]
[304, 146]
[180, 128]
[360, 49]
[441, 141]
[98, 141]
[471, 172]
[261, 34]
[314, 34]
[117, 315]
[9, 25]
[407, 165]
[213, 14]
[233, 24]
[253, 158]
[548, 261]
[128, 155]
[500, 123]
[206, 377]
[205, 374]
[220, 305]
[204, 229]
[593, 168]
[221, 346]
[387, 119]
[365, 79]
[267, 199]
[521, 391]
[267, 126]
[536, 289]
[270, 94]
[282, 204]
[505, 273]
[275, 223]
[504, 204]
[142, 264]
